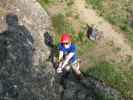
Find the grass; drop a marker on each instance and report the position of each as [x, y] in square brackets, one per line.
[46, 3]
[116, 12]
[70, 2]
[105, 71]
[98, 4]
[59, 23]
[114, 77]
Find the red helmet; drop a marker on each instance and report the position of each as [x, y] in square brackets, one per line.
[65, 38]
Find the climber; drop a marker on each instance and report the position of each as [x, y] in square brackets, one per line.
[67, 56]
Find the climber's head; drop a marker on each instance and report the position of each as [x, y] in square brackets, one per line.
[65, 40]
[11, 19]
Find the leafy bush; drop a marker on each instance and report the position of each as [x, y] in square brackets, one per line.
[70, 3]
[61, 25]
[97, 4]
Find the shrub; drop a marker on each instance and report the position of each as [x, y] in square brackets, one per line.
[61, 25]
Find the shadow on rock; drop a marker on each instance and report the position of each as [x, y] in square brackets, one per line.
[19, 79]
[15, 60]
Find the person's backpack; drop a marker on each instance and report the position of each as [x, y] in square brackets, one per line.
[91, 32]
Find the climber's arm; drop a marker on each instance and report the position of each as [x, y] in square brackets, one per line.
[60, 56]
[67, 59]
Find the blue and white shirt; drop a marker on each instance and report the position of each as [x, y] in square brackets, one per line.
[71, 49]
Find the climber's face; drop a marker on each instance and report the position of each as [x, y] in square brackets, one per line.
[67, 45]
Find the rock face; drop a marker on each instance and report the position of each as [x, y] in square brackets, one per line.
[34, 18]
[88, 89]
[23, 51]
[19, 79]
[24, 72]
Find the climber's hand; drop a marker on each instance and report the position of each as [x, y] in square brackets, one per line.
[59, 70]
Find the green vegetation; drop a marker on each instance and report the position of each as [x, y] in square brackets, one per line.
[70, 2]
[46, 3]
[116, 12]
[97, 3]
[61, 25]
[111, 75]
